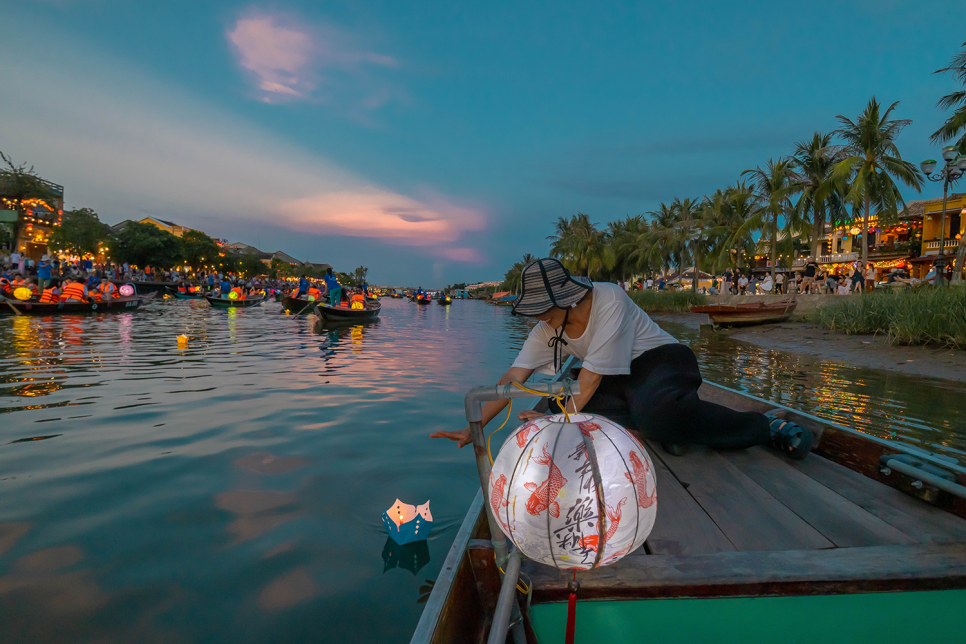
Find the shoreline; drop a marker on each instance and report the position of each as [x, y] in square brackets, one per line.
[869, 351]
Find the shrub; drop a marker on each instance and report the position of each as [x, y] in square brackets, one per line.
[667, 301]
[934, 316]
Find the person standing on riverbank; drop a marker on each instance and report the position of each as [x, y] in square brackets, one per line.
[633, 372]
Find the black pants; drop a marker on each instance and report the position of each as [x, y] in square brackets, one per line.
[660, 398]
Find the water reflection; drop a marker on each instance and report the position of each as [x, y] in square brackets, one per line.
[411, 556]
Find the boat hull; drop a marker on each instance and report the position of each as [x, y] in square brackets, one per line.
[219, 303]
[75, 308]
[186, 296]
[746, 314]
[339, 314]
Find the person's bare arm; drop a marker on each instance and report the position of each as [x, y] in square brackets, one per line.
[589, 381]
[490, 409]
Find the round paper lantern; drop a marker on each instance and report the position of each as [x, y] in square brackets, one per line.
[574, 495]
[311, 298]
[127, 290]
[22, 293]
[233, 295]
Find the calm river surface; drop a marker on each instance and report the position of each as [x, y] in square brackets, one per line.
[232, 490]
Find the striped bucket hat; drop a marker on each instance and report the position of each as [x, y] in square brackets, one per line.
[546, 284]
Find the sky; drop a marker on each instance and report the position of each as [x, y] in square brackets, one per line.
[437, 142]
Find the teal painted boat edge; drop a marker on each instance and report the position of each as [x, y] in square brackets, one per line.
[923, 616]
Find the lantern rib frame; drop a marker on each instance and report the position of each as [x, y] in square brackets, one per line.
[550, 467]
[602, 518]
[637, 504]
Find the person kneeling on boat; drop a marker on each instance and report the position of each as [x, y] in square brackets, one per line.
[51, 294]
[633, 372]
[315, 293]
[75, 290]
[108, 290]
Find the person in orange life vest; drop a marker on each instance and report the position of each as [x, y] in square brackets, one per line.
[358, 300]
[238, 292]
[51, 294]
[315, 292]
[6, 288]
[108, 290]
[75, 291]
[31, 283]
[94, 288]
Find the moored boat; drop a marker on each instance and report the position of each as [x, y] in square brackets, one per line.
[226, 303]
[30, 307]
[344, 314]
[853, 542]
[747, 314]
[200, 295]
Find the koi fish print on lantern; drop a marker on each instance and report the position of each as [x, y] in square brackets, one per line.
[639, 479]
[524, 433]
[614, 519]
[497, 502]
[544, 496]
[587, 427]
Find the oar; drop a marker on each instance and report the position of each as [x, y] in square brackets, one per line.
[311, 304]
[15, 310]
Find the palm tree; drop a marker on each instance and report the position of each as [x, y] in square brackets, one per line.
[955, 126]
[871, 160]
[773, 186]
[734, 207]
[579, 245]
[814, 160]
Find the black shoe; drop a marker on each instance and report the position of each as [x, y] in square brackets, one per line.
[794, 441]
[674, 449]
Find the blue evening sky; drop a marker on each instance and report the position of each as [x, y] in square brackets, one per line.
[436, 142]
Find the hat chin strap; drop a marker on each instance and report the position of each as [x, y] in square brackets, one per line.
[558, 339]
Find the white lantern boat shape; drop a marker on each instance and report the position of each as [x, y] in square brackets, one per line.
[407, 523]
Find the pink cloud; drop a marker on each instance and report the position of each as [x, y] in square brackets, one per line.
[290, 60]
[385, 215]
[465, 255]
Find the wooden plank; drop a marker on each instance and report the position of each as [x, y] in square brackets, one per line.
[842, 522]
[798, 572]
[919, 520]
[750, 517]
[682, 527]
[717, 394]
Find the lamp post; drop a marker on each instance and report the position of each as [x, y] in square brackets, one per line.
[954, 169]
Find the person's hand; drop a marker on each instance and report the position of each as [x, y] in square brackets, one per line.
[462, 436]
[530, 414]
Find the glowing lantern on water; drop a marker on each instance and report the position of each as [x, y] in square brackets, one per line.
[127, 290]
[574, 495]
[407, 523]
[233, 295]
[23, 293]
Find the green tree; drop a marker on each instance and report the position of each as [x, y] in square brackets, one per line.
[18, 183]
[872, 161]
[360, 274]
[80, 232]
[198, 249]
[249, 266]
[580, 246]
[146, 245]
[773, 187]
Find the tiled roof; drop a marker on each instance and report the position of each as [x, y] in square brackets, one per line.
[917, 208]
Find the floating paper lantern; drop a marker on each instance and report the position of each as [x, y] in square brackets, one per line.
[233, 295]
[22, 293]
[182, 340]
[407, 523]
[574, 495]
[127, 290]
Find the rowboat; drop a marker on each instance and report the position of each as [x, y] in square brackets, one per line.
[296, 303]
[19, 307]
[444, 301]
[225, 303]
[422, 300]
[146, 286]
[857, 542]
[343, 314]
[190, 296]
[747, 314]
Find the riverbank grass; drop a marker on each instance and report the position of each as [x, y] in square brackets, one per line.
[667, 301]
[927, 316]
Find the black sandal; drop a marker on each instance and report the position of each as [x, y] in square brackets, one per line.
[792, 440]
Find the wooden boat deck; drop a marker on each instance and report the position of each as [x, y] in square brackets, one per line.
[753, 522]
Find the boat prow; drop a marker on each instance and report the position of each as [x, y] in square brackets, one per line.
[747, 314]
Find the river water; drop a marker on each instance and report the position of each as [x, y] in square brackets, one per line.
[232, 490]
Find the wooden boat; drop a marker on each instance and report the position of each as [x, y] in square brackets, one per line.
[747, 314]
[149, 286]
[344, 314]
[200, 295]
[853, 543]
[19, 307]
[422, 300]
[225, 303]
[444, 301]
[297, 304]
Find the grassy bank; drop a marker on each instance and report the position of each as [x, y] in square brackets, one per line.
[927, 316]
[666, 301]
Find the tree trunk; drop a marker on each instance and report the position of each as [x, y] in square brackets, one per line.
[774, 252]
[694, 278]
[865, 232]
[818, 226]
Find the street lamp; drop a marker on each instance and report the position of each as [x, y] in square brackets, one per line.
[954, 169]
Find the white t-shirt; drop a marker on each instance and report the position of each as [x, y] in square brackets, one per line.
[870, 274]
[743, 281]
[617, 332]
[843, 289]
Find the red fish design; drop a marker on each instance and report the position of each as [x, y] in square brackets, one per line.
[524, 433]
[496, 498]
[544, 497]
[587, 427]
[639, 479]
[613, 520]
